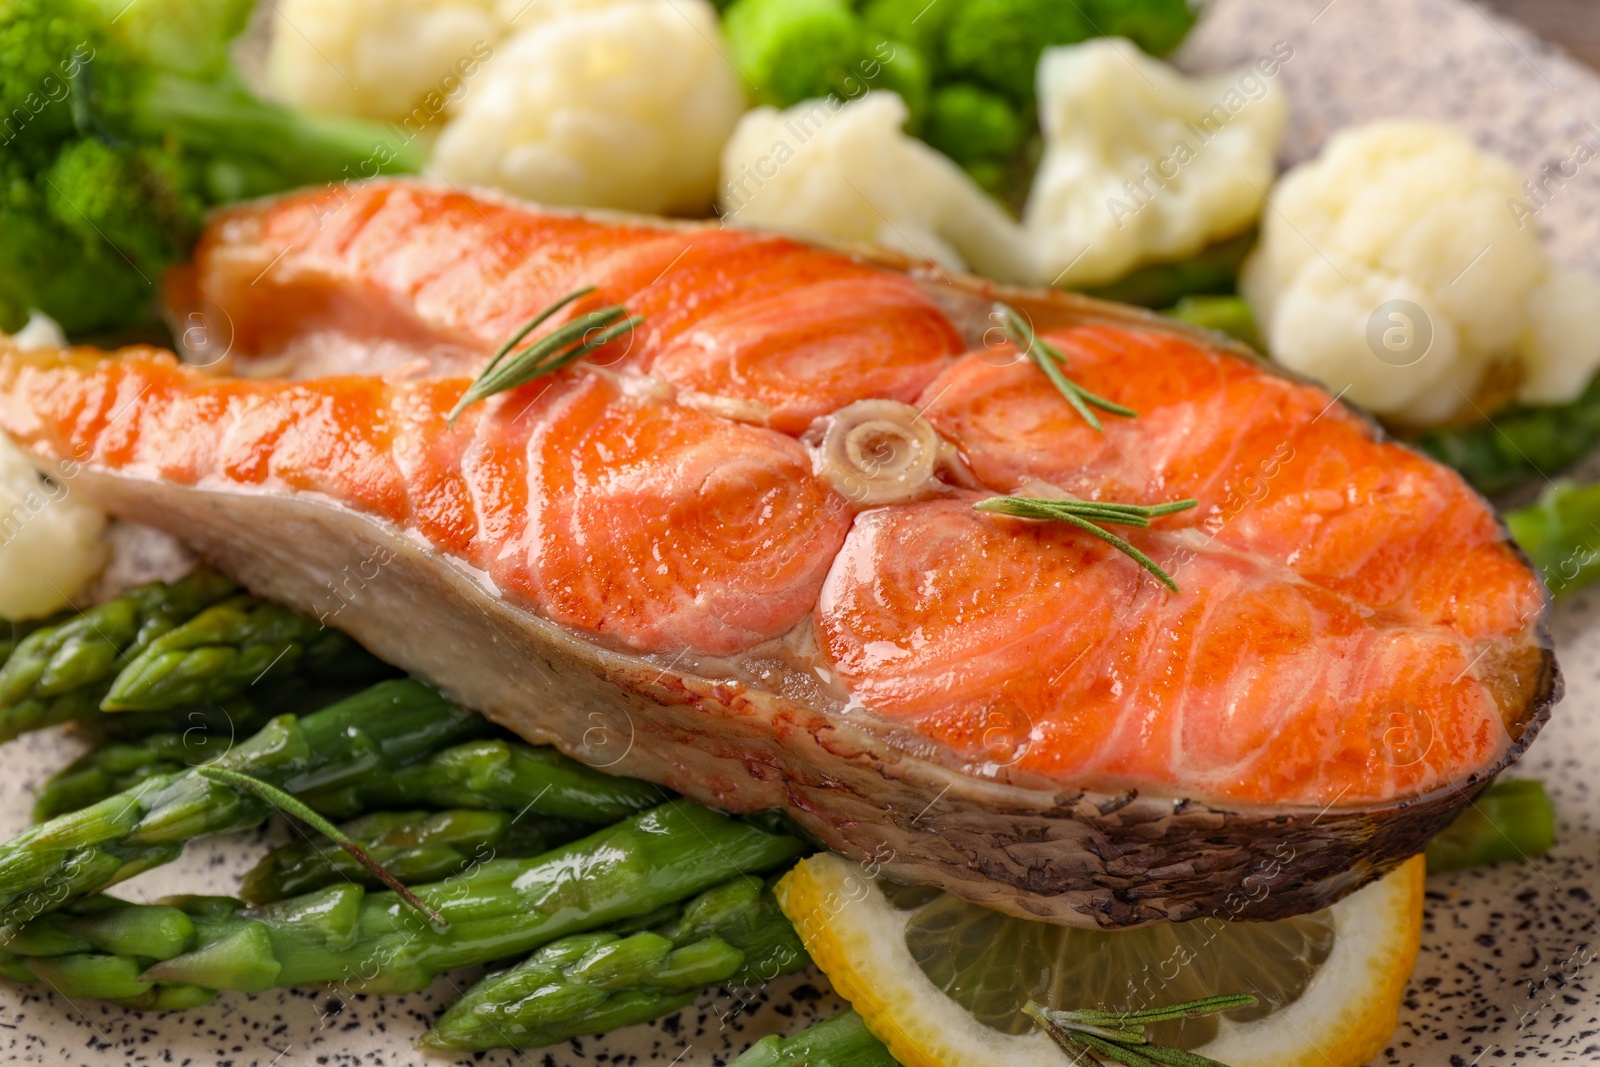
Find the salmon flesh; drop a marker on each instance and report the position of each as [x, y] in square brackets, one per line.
[735, 551]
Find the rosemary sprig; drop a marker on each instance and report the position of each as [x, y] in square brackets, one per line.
[556, 349]
[1086, 514]
[1108, 1037]
[1051, 359]
[289, 804]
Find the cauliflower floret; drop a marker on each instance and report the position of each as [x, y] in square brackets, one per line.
[519, 15]
[50, 543]
[623, 106]
[1143, 165]
[846, 171]
[1393, 265]
[379, 58]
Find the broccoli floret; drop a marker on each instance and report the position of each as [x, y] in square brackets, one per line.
[123, 123]
[1157, 26]
[45, 265]
[997, 43]
[40, 55]
[178, 36]
[917, 22]
[794, 50]
[132, 197]
[973, 126]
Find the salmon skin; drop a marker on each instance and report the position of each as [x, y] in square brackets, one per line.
[663, 561]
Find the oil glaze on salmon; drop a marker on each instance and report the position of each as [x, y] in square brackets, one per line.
[650, 542]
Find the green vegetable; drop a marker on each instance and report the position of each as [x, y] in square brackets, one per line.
[61, 671]
[972, 125]
[175, 651]
[1211, 273]
[371, 943]
[13, 631]
[1521, 443]
[119, 124]
[136, 745]
[98, 947]
[492, 774]
[997, 43]
[226, 649]
[842, 1041]
[414, 846]
[115, 766]
[917, 22]
[1225, 314]
[1511, 820]
[1157, 26]
[387, 726]
[1561, 535]
[594, 982]
[794, 50]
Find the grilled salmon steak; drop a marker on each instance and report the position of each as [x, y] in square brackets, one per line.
[735, 551]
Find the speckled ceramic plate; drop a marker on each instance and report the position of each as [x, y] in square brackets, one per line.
[1508, 969]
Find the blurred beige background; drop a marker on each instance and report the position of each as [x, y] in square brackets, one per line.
[1573, 24]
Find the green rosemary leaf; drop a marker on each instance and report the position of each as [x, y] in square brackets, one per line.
[560, 347]
[1103, 1050]
[1050, 359]
[534, 323]
[1189, 1009]
[1120, 1037]
[1085, 513]
[290, 805]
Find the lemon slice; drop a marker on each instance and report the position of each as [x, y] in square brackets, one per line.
[942, 982]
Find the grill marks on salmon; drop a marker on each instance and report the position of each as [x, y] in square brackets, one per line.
[1353, 625]
[643, 524]
[389, 273]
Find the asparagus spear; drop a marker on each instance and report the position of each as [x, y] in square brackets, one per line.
[137, 745]
[842, 1041]
[505, 775]
[591, 983]
[97, 948]
[1511, 820]
[115, 766]
[225, 649]
[12, 631]
[388, 725]
[372, 943]
[414, 846]
[61, 671]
